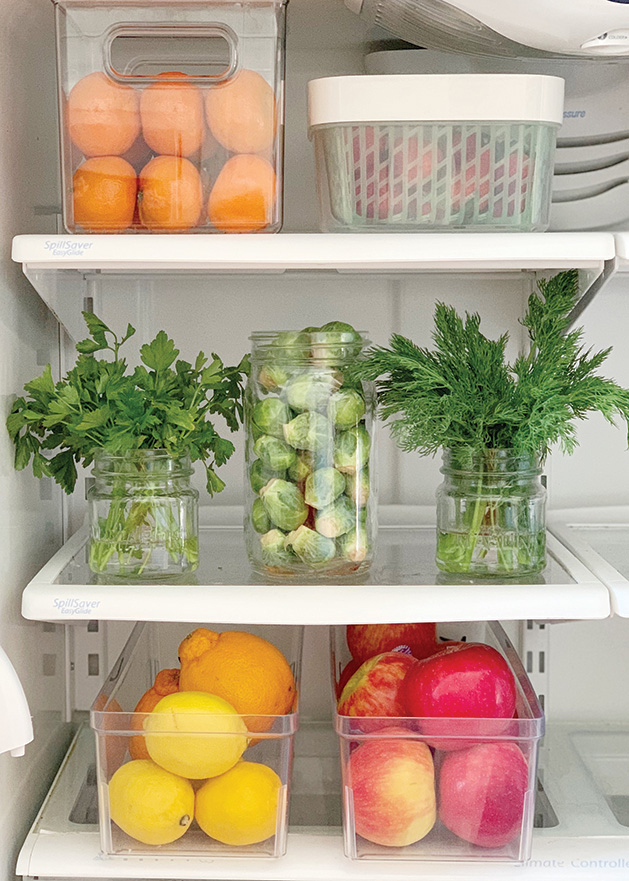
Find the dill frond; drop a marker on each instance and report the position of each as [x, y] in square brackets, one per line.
[463, 392]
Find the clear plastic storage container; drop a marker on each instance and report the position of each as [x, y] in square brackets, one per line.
[435, 152]
[196, 778]
[171, 115]
[448, 788]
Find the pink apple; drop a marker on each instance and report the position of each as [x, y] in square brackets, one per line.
[392, 781]
[464, 682]
[482, 792]
[366, 640]
[374, 690]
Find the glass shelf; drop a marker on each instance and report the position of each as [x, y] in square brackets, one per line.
[403, 585]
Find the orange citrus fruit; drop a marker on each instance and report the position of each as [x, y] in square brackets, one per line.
[172, 116]
[242, 113]
[243, 195]
[166, 682]
[103, 116]
[170, 194]
[104, 191]
[246, 670]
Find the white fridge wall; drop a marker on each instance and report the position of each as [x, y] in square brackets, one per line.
[30, 511]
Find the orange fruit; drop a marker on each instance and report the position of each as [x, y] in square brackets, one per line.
[103, 117]
[115, 745]
[172, 116]
[170, 194]
[104, 191]
[166, 682]
[247, 671]
[243, 195]
[242, 113]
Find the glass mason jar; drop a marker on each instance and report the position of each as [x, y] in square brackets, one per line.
[310, 506]
[143, 515]
[491, 514]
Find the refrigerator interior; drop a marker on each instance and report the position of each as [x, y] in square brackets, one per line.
[579, 666]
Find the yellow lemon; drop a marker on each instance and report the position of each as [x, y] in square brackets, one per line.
[240, 806]
[195, 734]
[150, 804]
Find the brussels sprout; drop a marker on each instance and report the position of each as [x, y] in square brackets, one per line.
[311, 391]
[351, 449]
[284, 504]
[346, 408]
[336, 342]
[288, 347]
[270, 416]
[273, 377]
[354, 545]
[301, 468]
[274, 552]
[337, 519]
[259, 518]
[309, 431]
[260, 474]
[274, 453]
[310, 546]
[357, 487]
[323, 486]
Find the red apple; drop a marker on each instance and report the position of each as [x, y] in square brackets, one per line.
[470, 681]
[366, 640]
[374, 690]
[346, 674]
[482, 792]
[449, 643]
[392, 781]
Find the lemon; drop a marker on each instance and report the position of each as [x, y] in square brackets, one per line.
[195, 734]
[150, 804]
[240, 806]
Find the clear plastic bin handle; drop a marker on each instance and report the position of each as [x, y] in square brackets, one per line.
[149, 56]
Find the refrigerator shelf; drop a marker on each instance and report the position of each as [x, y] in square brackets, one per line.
[403, 585]
[599, 537]
[64, 269]
[586, 781]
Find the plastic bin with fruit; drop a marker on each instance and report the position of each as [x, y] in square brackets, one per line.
[194, 734]
[435, 152]
[439, 739]
[171, 115]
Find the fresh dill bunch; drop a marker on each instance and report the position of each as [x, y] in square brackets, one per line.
[463, 392]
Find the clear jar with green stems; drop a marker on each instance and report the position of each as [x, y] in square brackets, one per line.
[491, 519]
[143, 515]
[310, 506]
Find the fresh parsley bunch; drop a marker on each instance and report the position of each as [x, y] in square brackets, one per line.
[464, 394]
[164, 404]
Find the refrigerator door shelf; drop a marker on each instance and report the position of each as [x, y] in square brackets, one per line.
[588, 831]
[16, 729]
[64, 269]
[403, 585]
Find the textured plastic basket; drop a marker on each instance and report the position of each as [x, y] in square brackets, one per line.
[448, 152]
[120, 740]
[484, 773]
[171, 115]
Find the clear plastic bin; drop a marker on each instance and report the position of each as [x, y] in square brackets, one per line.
[442, 152]
[484, 773]
[171, 115]
[246, 759]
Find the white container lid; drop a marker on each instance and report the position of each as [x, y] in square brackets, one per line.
[436, 98]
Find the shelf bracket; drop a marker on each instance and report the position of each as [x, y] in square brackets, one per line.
[610, 268]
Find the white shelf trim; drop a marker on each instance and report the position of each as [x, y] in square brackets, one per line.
[445, 252]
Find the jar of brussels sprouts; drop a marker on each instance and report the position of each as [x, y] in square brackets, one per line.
[311, 506]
